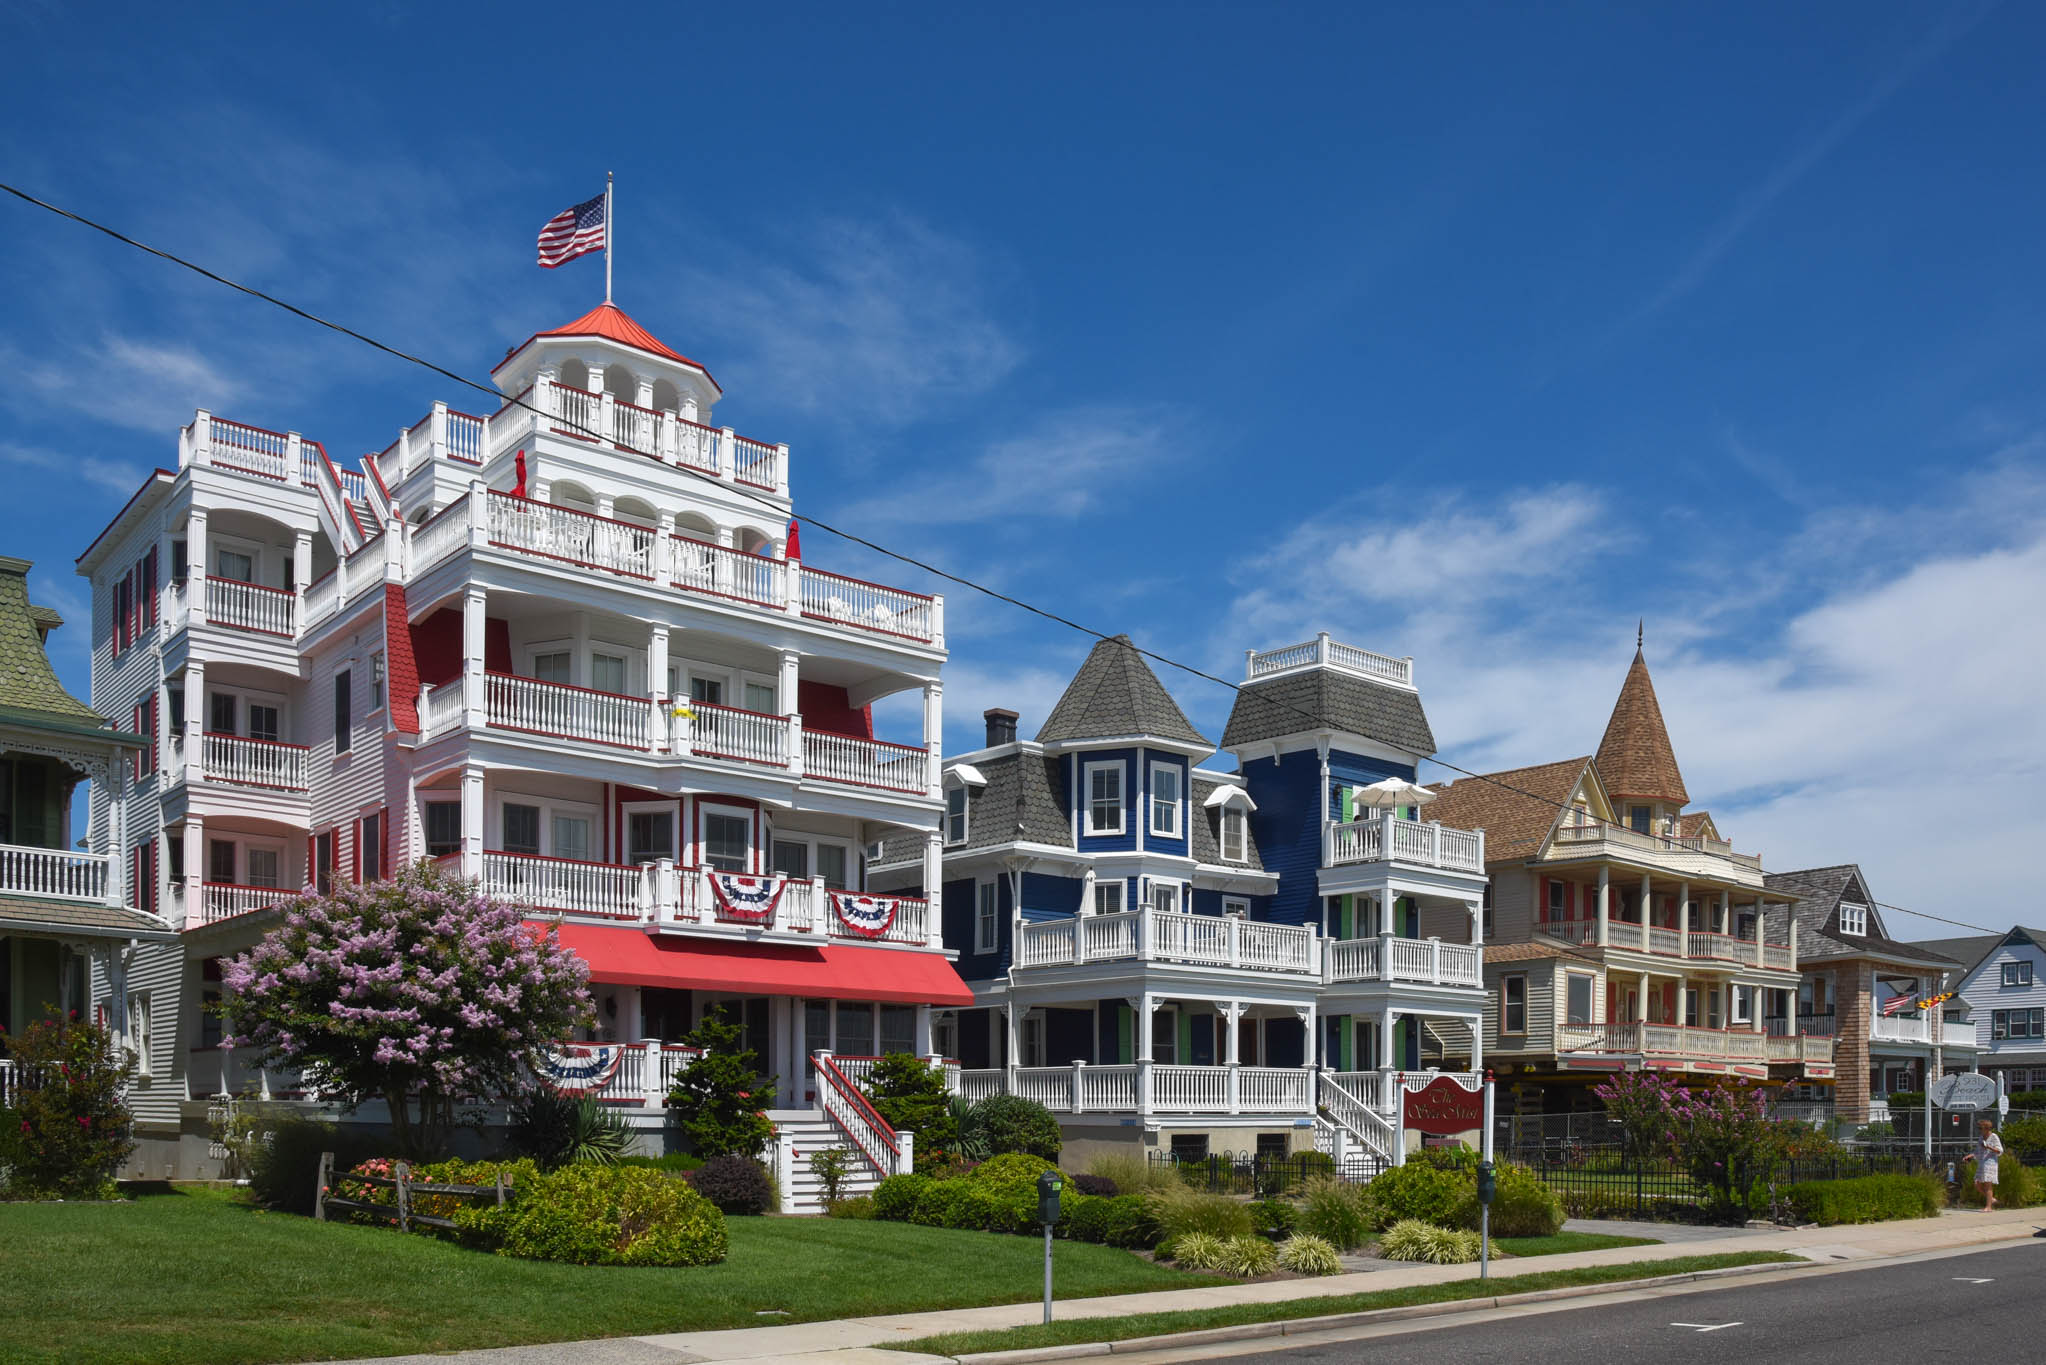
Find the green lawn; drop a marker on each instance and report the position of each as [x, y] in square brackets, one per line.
[1194, 1320]
[1567, 1241]
[196, 1277]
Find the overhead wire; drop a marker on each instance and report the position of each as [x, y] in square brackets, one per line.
[851, 537]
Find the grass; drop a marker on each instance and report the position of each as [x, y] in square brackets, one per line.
[1193, 1320]
[194, 1277]
[1568, 1241]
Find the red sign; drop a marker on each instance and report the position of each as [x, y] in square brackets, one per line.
[1443, 1106]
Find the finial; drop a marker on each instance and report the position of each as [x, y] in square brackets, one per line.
[1640, 630]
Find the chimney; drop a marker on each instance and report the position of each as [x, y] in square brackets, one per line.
[1001, 726]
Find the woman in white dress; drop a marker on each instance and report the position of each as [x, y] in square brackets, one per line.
[1988, 1147]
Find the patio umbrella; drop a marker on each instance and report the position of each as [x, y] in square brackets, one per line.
[1392, 792]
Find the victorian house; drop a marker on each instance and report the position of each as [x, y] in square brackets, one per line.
[1625, 931]
[1195, 959]
[569, 648]
[2003, 986]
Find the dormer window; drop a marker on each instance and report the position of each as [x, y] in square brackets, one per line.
[1235, 835]
[1165, 800]
[1853, 919]
[955, 815]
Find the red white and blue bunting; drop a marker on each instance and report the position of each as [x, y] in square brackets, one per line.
[751, 899]
[582, 1068]
[867, 916]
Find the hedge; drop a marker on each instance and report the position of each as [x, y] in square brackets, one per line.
[1866, 1199]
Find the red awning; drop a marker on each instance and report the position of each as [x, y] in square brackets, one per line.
[827, 971]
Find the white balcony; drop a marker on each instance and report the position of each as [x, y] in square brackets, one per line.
[1705, 859]
[251, 607]
[1150, 935]
[1414, 961]
[622, 1074]
[605, 420]
[57, 874]
[1914, 1027]
[224, 901]
[1322, 652]
[1387, 838]
[1152, 1088]
[1664, 941]
[1677, 1041]
[244, 762]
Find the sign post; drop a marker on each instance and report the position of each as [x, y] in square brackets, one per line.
[1048, 1186]
[1488, 1187]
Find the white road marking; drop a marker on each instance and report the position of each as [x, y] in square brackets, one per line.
[1963, 1279]
[1705, 1326]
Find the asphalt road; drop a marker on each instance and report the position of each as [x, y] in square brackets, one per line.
[1985, 1305]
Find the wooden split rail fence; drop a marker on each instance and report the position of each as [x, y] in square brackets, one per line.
[401, 1180]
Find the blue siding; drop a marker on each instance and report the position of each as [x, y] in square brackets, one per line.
[1068, 1036]
[1105, 843]
[1047, 897]
[1287, 821]
[958, 910]
[1155, 843]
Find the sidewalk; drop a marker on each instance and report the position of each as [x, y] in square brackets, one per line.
[850, 1341]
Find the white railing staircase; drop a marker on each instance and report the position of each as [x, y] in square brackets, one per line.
[797, 1138]
[1354, 1126]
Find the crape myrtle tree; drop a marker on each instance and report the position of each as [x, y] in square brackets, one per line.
[419, 991]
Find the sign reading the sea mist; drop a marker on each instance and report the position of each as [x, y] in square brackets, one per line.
[1443, 1106]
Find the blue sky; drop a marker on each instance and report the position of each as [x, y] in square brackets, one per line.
[1467, 332]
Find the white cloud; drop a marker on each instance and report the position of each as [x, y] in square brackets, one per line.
[883, 320]
[116, 476]
[130, 382]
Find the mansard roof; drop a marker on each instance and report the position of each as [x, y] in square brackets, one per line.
[1819, 891]
[28, 685]
[1635, 757]
[1516, 808]
[1116, 695]
[1328, 699]
[1021, 801]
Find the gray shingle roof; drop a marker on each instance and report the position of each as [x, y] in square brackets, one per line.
[1324, 698]
[1820, 891]
[1115, 694]
[1207, 831]
[20, 913]
[1022, 800]
[1968, 951]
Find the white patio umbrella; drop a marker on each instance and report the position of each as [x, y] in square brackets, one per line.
[1392, 792]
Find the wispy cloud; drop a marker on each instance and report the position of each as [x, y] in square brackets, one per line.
[116, 476]
[142, 384]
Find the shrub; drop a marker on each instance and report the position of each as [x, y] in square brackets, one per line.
[860, 1206]
[1010, 1182]
[1128, 1222]
[674, 1163]
[895, 1198]
[1196, 1251]
[284, 1170]
[604, 1215]
[1875, 1132]
[831, 1166]
[1412, 1240]
[1338, 1213]
[1305, 1254]
[1522, 1205]
[2016, 1186]
[934, 1203]
[556, 1129]
[969, 1140]
[720, 1098]
[69, 1130]
[910, 1094]
[1273, 1217]
[1132, 1172]
[1866, 1199]
[1452, 1158]
[1181, 1211]
[736, 1184]
[1417, 1192]
[1087, 1218]
[1010, 1123]
[2024, 1135]
[1248, 1257]
[1100, 1185]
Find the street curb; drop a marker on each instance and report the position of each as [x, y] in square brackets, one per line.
[1287, 1327]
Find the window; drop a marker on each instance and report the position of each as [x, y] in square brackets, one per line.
[898, 1029]
[443, 821]
[234, 564]
[263, 722]
[1104, 798]
[1108, 898]
[1743, 1004]
[1559, 904]
[2017, 973]
[1165, 1039]
[344, 716]
[519, 828]
[1235, 832]
[220, 859]
[323, 863]
[1165, 800]
[177, 709]
[1578, 987]
[221, 710]
[1853, 919]
[262, 866]
[1513, 1004]
[138, 1030]
[1165, 897]
[792, 859]
[1031, 1039]
[180, 566]
[174, 849]
[1691, 1007]
[1236, 907]
[760, 697]
[1637, 819]
[984, 911]
[727, 841]
[1485, 913]
[2017, 1023]
[607, 672]
[834, 863]
[649, 835]
[955, 815]
[554, 666]
[571, 836]
[709, 690]
[376, 680]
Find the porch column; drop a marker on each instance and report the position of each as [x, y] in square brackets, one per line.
[934, 887]
[922, 1046]
[195, 870]
[196, 563]
[1387, 1061]
[657, 685]
[1310, 1019]
[934, 737]
[1647, 908]
[1477, 914]
[1477, 1023]
[472, 820]
[1145, 1004]
[1641, 1002]
[1232, 1015]
[1683, 919]
[1231, 1011]
[195, 730]
[1725, 922]
[1605, 905]
[1015, 1041]
[474, 602]
[301, 562]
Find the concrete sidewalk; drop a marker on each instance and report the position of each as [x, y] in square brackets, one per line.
[854, 1341]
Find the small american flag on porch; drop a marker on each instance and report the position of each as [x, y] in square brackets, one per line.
[1897, 1004]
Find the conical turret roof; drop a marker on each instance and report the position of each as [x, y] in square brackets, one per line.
[1635, 758]
[1114, 695]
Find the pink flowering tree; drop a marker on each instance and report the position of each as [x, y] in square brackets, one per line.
[1721, 1134]
[418, 991]
[1639, 1101]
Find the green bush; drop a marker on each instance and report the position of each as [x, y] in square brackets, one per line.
[1181, 1211]
[674, 1163]
[2024, 1135]
[604, 1215]
[1127, 1222]
[2016, 1186]
[896, 1197]
[69, 1129]
[736, 1184]
[1866, 1199]
[1417, 1191]
[1248, 1257]
[1875, 1132]
[1196, 1251]
[1087, 1217]
[910, 1094]
[720, 1099]
[284, 1171]
[1337, 1212]
[1412, 1240]
[1011, 1174]
[1522, 1207]
[556, 1129]
[934, 1203]
[1132, 1172]
[1010, 1123]
[1273, 1217]
[860, 1206]
[1305, 1254]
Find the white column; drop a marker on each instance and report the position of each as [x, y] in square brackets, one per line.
[195, 722]
[1145, 1005]
[195, 870]
[1683, 919]
[1647, 908]
[934, 737]
[1605, 905]
[472, 821]
[923, 1031]
[664, 527]
[1641, 1002]
[1725, 921]
[1477, 1023]
[195, 565]
[788, 685]
[657, 683]
[1477, 912]
[474, 603]
[1232, 1015]
[1015, 1041]
[934, 886]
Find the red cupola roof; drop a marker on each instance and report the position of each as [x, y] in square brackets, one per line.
[612, 323]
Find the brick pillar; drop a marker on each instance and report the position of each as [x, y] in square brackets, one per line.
[1855, 982]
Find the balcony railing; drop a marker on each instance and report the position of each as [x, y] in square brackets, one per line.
[1916, 1028]
[731, 732]
[249, 762]
[1736, 1044]
[223, 900]
[55, 873]
[561, 711]
[1420, 961]
[1323, 652]
[866, 606]
[1705, 857]
[1387, 838]
[618, 1073]
[865, 762]
[1665, 941]
[603, 419]
[1150, 935]
[251, 607]
[581, 539]
[1152, 1087]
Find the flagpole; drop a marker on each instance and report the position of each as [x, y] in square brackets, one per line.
[607, 236]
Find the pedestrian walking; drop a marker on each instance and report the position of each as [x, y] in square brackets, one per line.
[1988, 1147]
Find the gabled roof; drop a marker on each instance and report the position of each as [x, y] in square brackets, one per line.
[1968, 950]
[1115, 695]
[1326, 699]
[28, 685]
[1819, 891]
[1516, 808]
[1635, 758]
[1697, 824]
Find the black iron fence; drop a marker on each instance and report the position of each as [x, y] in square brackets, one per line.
[1263, 1175]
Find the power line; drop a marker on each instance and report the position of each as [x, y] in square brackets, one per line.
[1319, 722]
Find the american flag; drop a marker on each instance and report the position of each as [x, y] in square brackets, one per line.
[1897, 1004]
[572, 233]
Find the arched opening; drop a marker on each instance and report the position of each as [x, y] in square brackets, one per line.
[753, 541]
[638, 511]
[621, 383]
[567, 493]
[574, 374]
[667, 398]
